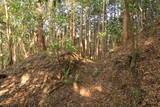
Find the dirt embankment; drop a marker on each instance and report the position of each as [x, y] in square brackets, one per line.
[67, 80]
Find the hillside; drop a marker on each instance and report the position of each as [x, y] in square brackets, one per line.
[43, 80]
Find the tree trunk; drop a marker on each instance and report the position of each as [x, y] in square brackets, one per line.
[86, 35]
[10, 62]
[103, 41]
[8, 33]
[71, 28]
[97, 41]
[74, 22]
[14, 52]
[1, 54]
[89, 38]
[126, 22]
[81, 33]
[41, 37]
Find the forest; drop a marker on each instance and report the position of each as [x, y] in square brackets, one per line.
[79, 53]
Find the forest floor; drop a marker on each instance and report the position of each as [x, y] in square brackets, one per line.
[46, 80]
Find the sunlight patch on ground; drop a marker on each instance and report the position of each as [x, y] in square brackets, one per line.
[11, 85]
[59, 76]
[97, 88]
[85, 92]
[87, 61]
[2, 92]
[4, 85]
[148, 42]
[24, 79]
[75, 87]
[81, 90]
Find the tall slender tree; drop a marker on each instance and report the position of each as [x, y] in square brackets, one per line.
[9, 36]
[81, 32]
[40, 33]
[126, 21]
[73, 7]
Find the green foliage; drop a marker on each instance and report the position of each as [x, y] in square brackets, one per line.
[84, 3]
[96, 72]
[66, 76]
[2, 26]
[77, 78]
[96, 4]
[67, 45]
[125, 105]
[24, 19]
[132, 7]
[60, 20]
[114, 29]
[138, 95]
[2, 23]
[101, 35]
[54, 46]
[67, 81]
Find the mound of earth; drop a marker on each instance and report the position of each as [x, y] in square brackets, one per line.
[44, 80]
[146, 92]
[67, 80]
